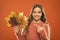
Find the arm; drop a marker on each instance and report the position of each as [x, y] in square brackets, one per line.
[16, 30]
[47, 31]
[44, 32]
[20, 34]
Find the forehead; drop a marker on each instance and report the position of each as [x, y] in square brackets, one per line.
[37, 9]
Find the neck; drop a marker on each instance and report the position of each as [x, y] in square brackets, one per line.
[36, 21]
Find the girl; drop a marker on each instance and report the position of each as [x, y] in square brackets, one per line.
[37, 28]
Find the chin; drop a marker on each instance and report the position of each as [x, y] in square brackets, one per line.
[36, 19]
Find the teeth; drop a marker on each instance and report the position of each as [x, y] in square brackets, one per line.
[36, 16]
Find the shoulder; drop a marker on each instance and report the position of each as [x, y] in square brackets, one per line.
[46, 25]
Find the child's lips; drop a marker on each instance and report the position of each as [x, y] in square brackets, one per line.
[36, 16]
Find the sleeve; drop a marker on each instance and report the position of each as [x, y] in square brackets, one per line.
[19, 36]
[47, 31]
[45, 34]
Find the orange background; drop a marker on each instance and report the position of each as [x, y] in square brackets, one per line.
[52, 10]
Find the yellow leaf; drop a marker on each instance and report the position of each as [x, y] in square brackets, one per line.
[21, 13]
[13, 14]
[19, 17]
[7, 19]
[25, 18]
[9, 25]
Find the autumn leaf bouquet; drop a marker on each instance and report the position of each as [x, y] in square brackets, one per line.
[16, 19]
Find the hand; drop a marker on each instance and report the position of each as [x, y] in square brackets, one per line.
[39, 28]
[16, 29]
[23, 32]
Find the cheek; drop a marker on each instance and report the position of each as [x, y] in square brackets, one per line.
[39, 15]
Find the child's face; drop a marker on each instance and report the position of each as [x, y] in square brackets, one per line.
[37, 13]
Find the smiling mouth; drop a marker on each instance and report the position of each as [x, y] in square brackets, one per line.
[37, 16]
